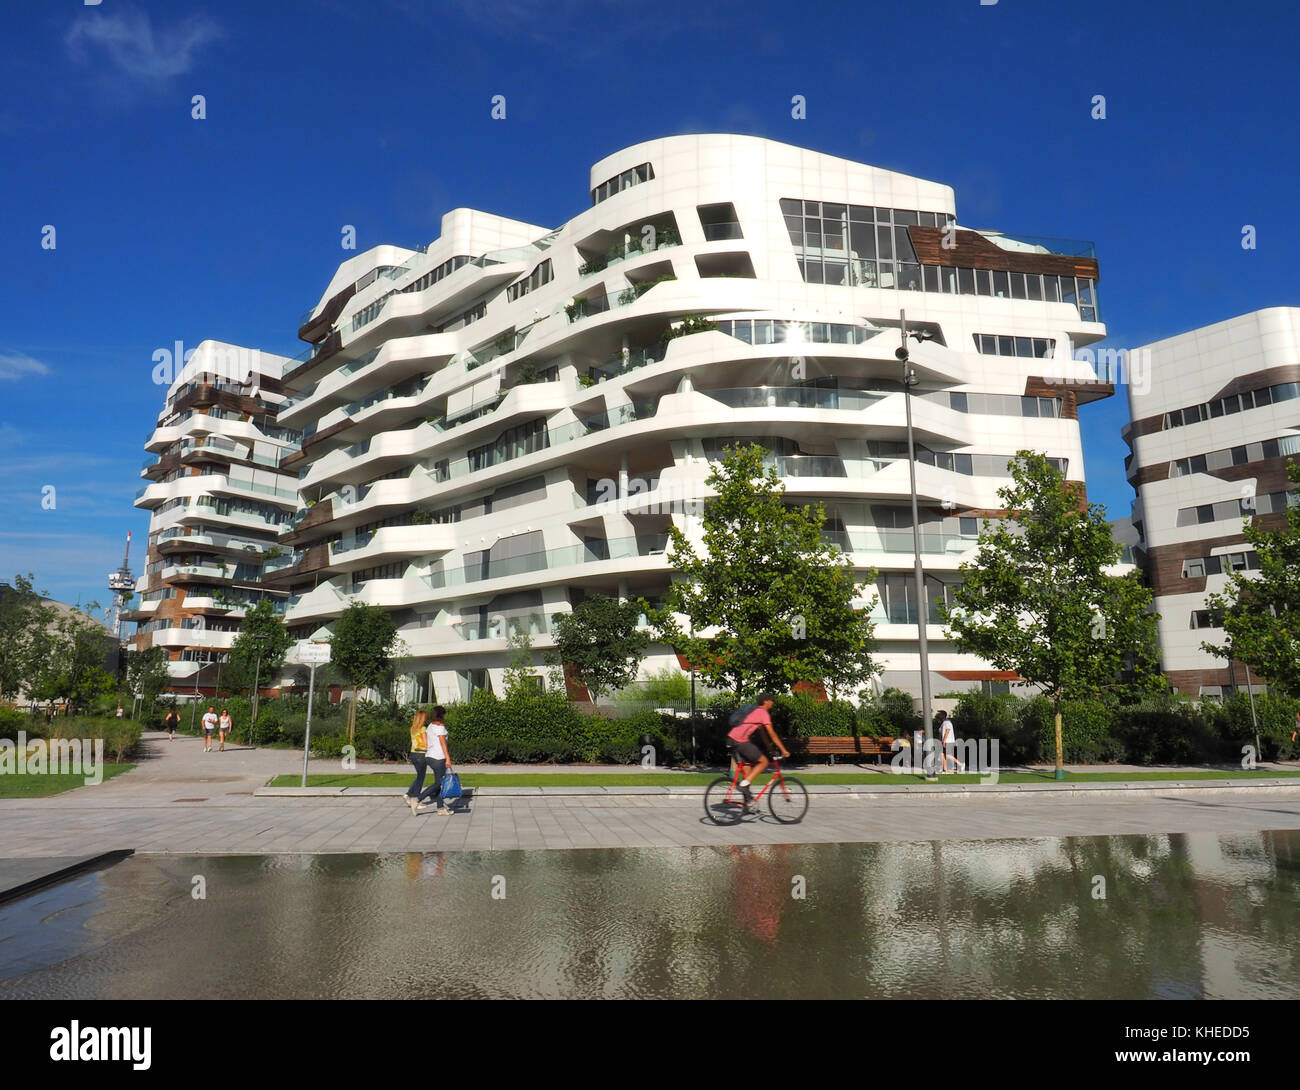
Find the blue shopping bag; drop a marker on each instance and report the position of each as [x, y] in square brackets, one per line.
[451, 787]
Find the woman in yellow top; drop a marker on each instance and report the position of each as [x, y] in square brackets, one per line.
[429, 753]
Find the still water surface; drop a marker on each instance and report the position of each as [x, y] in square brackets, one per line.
[1183, 916]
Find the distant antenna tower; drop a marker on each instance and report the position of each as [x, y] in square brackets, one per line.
[121, 583]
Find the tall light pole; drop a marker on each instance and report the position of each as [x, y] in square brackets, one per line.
[922, 610]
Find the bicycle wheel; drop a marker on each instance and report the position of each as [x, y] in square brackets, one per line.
[787, 798]
[722, 804]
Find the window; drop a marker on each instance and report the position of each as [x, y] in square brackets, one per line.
[1194, 569]
[539, 276]
[1027, 347]
[635, 176]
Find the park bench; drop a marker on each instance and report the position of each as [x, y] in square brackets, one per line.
[842, 747]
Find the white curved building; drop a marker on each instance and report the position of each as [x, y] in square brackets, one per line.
[510, 419]
[219, 500]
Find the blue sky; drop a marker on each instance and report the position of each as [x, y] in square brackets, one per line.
[322, 113]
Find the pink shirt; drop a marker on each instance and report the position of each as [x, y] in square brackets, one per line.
[755, 719]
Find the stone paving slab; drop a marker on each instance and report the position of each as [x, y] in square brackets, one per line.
[510, 823]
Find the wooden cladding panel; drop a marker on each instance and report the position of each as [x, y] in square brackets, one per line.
[974, 251]
[315, 328]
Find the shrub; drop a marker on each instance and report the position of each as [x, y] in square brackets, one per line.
[979, 715]
[802, 715]
[12, 721]
[890, 715]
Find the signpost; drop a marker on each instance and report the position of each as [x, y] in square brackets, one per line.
[313, 654]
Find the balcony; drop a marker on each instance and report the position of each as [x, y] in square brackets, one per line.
[590, 552]
[795, 397]
[665, 239]
[719, 232]
[631, 361]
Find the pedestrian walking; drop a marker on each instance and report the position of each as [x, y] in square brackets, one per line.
[171, 723]
[224, 726]
[947, 742]
[120, 713]
[209, 725]
[429, 753]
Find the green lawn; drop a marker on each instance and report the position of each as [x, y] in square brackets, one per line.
[34, 787]
[665, 779]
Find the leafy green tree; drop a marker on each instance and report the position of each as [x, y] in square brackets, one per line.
[146, 674]
[600, 642]
[362, 649]
[1037, 598]
[521, 677]
[776, 595]
[1261, 611]
[23, 619]
[263, 634]
[72, 652]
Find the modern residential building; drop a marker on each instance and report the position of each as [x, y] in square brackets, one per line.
[509, 419]
[218, 498]
[1214, 421]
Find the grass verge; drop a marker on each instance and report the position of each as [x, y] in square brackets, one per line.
[37, 787]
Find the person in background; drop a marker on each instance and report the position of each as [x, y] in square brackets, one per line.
[419, 756]
[171, 723]
[437, 758]
[209, 725]
[947, 742]
[224, 726]
[120, 713]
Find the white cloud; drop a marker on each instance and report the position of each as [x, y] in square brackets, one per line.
[15, 365]
[128, 38]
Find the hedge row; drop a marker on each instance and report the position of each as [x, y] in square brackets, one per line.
[546, 727]
[1161, 730]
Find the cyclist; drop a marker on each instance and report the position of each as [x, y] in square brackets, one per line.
[752, 759]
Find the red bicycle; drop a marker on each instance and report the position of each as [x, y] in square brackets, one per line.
[787, 798]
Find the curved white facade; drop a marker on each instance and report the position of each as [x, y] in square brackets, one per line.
[534, 394]
[219, 500]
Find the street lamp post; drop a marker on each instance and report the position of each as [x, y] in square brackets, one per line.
[922, 618]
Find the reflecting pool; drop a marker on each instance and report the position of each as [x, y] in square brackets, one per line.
[1180, 916]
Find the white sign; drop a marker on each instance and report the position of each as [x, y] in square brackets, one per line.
[308, 653]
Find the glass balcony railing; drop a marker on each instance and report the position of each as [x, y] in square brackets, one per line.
[622, 364]
[1066, 247]
[589, 552]
[666, 240]
[794, 397]
[807, 465]
[298, 398]
[279, 563]
[360, 541]
[716, 232]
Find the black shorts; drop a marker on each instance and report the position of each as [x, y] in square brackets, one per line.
[748, 753]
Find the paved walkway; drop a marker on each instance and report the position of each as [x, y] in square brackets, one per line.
[180, 800]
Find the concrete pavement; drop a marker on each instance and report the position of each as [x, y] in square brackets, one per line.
[180, 800]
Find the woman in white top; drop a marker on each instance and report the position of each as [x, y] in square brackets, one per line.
[224, 726]
[437, 761]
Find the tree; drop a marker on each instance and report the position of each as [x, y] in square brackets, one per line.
[777, 596]
[1261, 611]
[362, 648]
[521, 678]
[146, 673]
[601, 643]
[23, 620]
[1036, 599]
[71, 653]
[260, 647]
